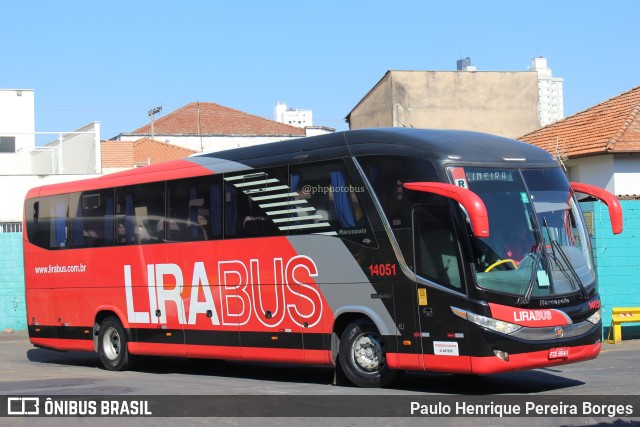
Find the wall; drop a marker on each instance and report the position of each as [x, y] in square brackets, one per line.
[627, 173]
[617, 261]
[375, 110]
[619, 174]
[594, 170]
[501, 103]
[12, 305]
[15, 187]
[18, 119]
[77, 153]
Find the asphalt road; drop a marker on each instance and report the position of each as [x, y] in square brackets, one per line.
[26, 370]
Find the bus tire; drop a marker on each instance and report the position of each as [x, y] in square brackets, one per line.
[362, 355]
[112, 345]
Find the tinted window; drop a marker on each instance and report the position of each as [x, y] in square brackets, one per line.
[47, 225]
[387, 175]
[250, 200]
[194, 210]
[435, 246]
[91, 219]
[139, 211]
[325, 201]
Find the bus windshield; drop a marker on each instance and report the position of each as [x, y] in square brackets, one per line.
[538, 245]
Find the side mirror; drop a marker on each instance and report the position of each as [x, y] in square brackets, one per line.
[612, 202]
[469, 200]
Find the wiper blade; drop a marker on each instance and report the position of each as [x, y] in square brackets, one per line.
[538, 253]
[526, 298]
[563, 262]
[572, 271]
[546, 227]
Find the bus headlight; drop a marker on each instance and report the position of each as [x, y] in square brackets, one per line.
[595, 317]
[487, 322]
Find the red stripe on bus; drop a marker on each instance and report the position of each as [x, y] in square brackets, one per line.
[314, 357]
[63, 344]
[489, 364]
[532, 360]
[530, 317]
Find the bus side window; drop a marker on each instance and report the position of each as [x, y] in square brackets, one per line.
[230, 210]
[91, 219]
[32, 216]
[139, 208]
[435, 246]
[387, 175]
[194, 210]
[59, 230]
[48, 227]
[330, 201]
[250, 199]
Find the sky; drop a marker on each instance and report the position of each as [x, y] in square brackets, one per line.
[112, 61]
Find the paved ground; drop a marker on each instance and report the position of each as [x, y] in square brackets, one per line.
[26, 370]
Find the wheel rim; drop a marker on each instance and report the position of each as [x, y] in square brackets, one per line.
[367, 353]
[111, 344]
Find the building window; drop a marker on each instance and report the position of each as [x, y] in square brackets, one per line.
[7, 144]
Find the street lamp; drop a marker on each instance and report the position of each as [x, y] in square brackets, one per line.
[152, 114]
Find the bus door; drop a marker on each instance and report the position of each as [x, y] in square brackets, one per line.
[439, 287]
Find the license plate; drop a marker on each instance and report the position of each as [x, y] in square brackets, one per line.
[559, 353]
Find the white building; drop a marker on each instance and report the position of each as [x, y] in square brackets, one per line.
[465, 65]
[17, 127]
[551, 108]
[293, 116]
[69, 156]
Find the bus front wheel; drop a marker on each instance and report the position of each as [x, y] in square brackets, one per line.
[112, 345]
[363, 357]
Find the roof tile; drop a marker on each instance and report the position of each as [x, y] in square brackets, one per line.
[207, 118]
[613, 126]
[128, 154]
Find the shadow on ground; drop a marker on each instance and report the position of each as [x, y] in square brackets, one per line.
[536, 381]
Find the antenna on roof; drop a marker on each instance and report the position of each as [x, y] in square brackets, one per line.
[560, 156]
[198, 124]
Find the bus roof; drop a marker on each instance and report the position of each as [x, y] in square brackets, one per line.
[436, 144]
[440, 146]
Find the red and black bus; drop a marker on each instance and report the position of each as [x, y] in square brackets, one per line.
[375, 251]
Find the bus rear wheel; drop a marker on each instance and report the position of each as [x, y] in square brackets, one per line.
[363, 357]
[112, 345]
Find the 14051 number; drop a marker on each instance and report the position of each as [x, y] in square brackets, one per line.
[382, 269]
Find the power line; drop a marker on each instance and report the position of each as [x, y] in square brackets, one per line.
[88, 108]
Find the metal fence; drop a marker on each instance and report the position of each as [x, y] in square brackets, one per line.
[10, 227]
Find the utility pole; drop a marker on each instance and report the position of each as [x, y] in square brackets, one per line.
[152, 114]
